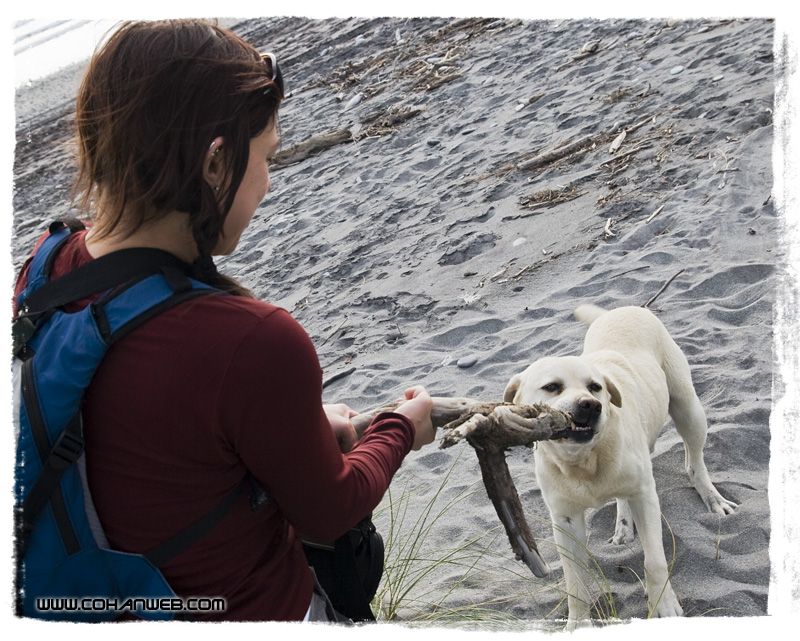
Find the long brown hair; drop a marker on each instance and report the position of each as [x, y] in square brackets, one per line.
[154, 97]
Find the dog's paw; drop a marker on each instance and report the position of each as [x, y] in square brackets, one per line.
[622, 535]
[668, 608]
[623, 527]
[575, 624]
[724, 507]
[717, 504]
[668, 605]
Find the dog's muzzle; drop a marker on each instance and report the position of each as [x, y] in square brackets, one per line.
[587, 412]
[584, 418]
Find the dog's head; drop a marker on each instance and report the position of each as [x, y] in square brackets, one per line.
[572, 385]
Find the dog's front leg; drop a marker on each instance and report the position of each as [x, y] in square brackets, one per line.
[661, 599]
[569, 532]
[623, 531]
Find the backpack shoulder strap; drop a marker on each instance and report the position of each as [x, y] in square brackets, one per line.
[42, 259]
[98, 275]
[42, 296]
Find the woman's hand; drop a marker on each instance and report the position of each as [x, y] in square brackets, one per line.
[417, 406]
[339, 416]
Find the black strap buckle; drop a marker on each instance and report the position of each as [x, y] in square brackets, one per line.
[22, 330]
[66, 450]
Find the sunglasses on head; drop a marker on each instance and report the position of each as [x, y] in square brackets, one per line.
[275, 70]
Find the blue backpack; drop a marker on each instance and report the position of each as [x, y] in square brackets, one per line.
[65, 569]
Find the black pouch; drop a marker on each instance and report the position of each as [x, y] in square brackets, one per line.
[350, 568]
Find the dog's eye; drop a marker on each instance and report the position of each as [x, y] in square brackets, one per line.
[595, 387]
[553, 388]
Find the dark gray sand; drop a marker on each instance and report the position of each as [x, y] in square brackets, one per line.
[454, 223]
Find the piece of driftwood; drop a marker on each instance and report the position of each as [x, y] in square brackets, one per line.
[385, 122]
[586, 142]
[663, 287]
[557, 154]
[547, 198]
[445, 411]
[390, 117]
[491, 428]
[314, 145]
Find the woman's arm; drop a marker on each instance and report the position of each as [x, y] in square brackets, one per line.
[271, 415]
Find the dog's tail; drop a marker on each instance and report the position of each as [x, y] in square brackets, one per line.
[587, 314]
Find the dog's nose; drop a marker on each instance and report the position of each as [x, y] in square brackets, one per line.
[587, 411]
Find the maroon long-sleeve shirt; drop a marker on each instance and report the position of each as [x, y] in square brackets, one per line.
[184, 406]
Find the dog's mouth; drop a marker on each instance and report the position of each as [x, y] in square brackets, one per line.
[582, 428]
[576, 433]
[581, 433]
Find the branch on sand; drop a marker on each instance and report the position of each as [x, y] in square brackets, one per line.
[491, 428]
[556, 154]
[381, 123]
[312, 146]
[663, 287]
[578, 146]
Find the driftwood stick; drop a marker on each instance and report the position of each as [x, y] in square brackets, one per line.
[556, 154]
[503, 494]
[314, 145]
[508, 425]
[491, 428]
[521, 424]
[663, 287]
[445, 410]
[390, 118]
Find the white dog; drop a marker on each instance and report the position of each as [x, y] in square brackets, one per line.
[619, 391]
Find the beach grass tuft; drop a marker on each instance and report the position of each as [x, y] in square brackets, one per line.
[429, 577]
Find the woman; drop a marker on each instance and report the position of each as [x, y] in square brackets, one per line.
[177, 123]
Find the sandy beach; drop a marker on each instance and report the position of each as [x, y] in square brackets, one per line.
[449, 191]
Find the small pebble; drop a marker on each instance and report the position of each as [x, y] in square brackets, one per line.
[676, 70]
[467, 361]
[717, 78]
[519, 241]
[433, 142]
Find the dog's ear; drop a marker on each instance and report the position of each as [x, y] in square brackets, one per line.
[613, 392]
[511, 388]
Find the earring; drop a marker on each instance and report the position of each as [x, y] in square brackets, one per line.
[216, 187]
